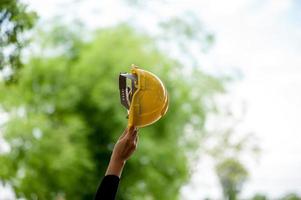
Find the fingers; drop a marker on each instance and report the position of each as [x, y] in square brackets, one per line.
[132, 136]
[132, 132]
[131, 129]
[136, 140]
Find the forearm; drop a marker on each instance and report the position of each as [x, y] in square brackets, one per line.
[115, 167]
[123, 149]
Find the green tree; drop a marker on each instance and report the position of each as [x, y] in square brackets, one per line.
[259, 197]
[232, 174]
[226, 145]
[15, 20]
[65, 115]
[291, 196]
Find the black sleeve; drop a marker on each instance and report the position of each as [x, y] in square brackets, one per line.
[107, 188]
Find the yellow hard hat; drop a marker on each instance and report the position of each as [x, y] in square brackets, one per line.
[144, 96]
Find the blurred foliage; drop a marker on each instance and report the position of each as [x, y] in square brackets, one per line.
[57, 38]
[227, 146]
[65, 116]
[184, 36]
[233, 145]
[232, 174]
[259, 197]
[187, 28]
[288, 196]
[15, 20]
[291, 196]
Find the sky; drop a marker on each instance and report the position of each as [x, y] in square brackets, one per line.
[261, 39]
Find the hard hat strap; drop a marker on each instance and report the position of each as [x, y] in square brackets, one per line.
[126, 93]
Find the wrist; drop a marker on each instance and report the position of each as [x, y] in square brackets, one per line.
[116, 160]
[115, 167]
